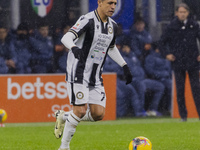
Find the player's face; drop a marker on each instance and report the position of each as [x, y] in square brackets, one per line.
[182, 13]
[44, 31]
[107, 7]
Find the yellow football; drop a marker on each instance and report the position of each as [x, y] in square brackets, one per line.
[3, 115]
[140, 143]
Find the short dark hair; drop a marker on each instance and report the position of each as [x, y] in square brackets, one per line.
[23, 26]
[139, 21]
[3, 25]
[42, 24]
[182, 5]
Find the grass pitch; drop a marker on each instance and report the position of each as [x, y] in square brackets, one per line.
[164, 133]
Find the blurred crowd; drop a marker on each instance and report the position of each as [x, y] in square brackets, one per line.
[26, 50]
[150, 92]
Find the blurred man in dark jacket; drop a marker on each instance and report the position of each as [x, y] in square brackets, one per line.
[127, 97]
[41, 49]
[142, 84]
[21, 43]
[3, 66]
[159, 68]
[179, 45]
[140, 40]
[7, 50]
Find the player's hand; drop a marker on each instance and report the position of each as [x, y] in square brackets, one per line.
[127, 74]
[77, 52]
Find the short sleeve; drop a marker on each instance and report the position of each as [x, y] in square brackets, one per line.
[80, 26]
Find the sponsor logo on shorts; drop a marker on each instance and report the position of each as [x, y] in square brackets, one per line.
[80, 95]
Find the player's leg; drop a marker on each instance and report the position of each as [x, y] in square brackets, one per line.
[88, 116]
[96, 96]
[71, 123]
[94, 113]
[61, 116]
[60, 122]
[78, 95]
[97, 102]
[97, 112]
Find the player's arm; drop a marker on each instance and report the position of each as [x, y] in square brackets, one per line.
[116, 56]
[68, 41]
[75, 32]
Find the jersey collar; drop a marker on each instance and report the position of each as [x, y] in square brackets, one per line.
[98, 17]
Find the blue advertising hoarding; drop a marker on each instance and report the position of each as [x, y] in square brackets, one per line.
[124, 12]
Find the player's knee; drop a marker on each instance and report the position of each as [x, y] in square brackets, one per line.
[98, 116]
[80, 112]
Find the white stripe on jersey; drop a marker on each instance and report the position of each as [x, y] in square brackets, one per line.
[94, 38]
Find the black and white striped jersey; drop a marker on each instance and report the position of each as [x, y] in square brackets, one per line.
[95, 38]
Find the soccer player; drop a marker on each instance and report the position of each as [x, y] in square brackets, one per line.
[89, 40]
